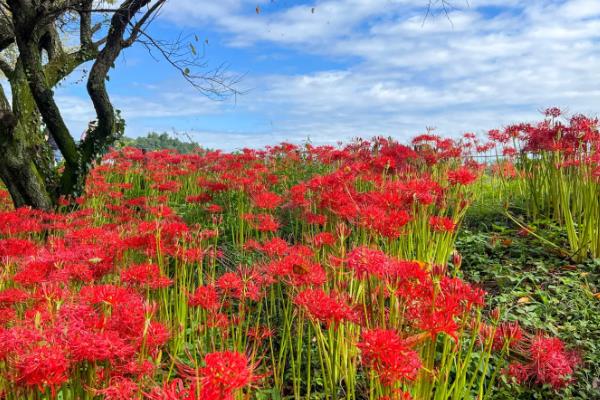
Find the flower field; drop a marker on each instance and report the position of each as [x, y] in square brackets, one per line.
[293, 272]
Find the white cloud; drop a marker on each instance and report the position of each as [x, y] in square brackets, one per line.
[314, 23]
[580, 9]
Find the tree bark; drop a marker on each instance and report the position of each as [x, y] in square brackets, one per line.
[23, 180]
[26, 160]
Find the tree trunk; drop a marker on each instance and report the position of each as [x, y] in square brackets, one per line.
[25, 185]
[18, 171]
[24, 153]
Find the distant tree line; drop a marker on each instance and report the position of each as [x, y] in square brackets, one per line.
[159, 141]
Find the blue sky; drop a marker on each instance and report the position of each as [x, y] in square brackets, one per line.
[358, 68]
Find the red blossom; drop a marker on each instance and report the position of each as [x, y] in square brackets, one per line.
[324, 307]
[462, 176]
[147, 275]
[205, 297]
[441, 224]
[223, 374]
[389, 356]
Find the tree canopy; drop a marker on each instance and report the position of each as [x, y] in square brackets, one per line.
[160, 141]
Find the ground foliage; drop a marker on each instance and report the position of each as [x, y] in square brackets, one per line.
[533, 283]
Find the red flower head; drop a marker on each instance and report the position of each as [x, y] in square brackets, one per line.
[147, 275]
[441, 224]
[324, 307]
[550, 362]
[462, 176]
[389, 356]
[275, 247]
[323, 239]
[119, 389]
[266, 200]
[508, 333]
[365, 261]
[44, 366]
[223, 374]
[553, 112]
[205, 297]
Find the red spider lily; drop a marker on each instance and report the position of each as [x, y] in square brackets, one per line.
[518, 371]
[323, 239]
[317, 219]
[12, 247]
[266, 200]
[275, 247]
[147, 275]
[260, 333]
[441, 224]
[461, 176]
[509, 334]
[296, 268]
[397, 395]
[174, 390]
[223, 374]
[108, 294]
[263, 222]
[548, 362]
[7, 315]
[553, 112]
[119, 389]
[135, 368]
[200, 198]
[44, 366]
[155, 336]
[231, 284]
[324, 307]
[388, 356]
[367, 262]
[12, 296]
[87, 345]
[205, 297]
[214, 208]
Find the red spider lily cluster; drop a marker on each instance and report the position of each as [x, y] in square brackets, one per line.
[557, 165]
[547, 362]
[294, 269]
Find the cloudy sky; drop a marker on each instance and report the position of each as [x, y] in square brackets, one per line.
[332, 70]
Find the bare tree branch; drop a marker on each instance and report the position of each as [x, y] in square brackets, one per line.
[85, 27]
[445, 6]
[215, 83]
[150, 14]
